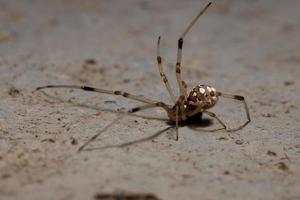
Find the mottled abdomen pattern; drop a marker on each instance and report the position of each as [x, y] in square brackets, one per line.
[203, 96]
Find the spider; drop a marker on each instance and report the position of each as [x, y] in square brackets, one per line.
[198, 101]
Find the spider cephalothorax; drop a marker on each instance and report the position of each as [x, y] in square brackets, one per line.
[200, 98]
[198, 101]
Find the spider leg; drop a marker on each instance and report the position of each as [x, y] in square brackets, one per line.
[179, 50]
[178, 67]
[190, 114]
[126, 144]
[195, 19]
[99, 133]
[184, 85]
[133, 110]
[176, 121]
[161, 72]
[178, 107]
[150, 103]
[158, 104]
[198, 110]
[92, 89]
[205, 130]
[216, 117]
[180, 104]
[239, 98]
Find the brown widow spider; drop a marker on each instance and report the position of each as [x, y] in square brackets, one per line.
[197, 101]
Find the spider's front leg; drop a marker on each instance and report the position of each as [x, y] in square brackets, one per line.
[180, 114]
[178, 67]
[181, 84]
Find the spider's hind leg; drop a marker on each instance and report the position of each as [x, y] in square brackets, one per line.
[133, 110]
[239, 98]
[216, 117]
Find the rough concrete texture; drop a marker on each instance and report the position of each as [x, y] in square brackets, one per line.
[242, 47]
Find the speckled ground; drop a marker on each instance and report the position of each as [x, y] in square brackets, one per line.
[244, 47]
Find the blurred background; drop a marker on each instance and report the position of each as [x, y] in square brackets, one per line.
[249, 48]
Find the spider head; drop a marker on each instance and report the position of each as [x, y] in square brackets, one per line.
[203, 96]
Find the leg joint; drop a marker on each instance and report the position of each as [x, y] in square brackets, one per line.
[125, 94]
[134, 110]
[178, 69]
[240, 98]
[158, 59]
[87, 88]
[159, 104]
[117, 92]
[180, 43]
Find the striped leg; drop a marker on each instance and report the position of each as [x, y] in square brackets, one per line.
[184, 86]
[216, 117]
[178, 68]
[158, 104]
[164, 106]
[99, 133]
[176, 121]
[194, 112]
[91, 89]
[239, 98]
[133, 110]
[126, 144]
[162, 74]
[179, 50]
[180, 104]
[151, 104]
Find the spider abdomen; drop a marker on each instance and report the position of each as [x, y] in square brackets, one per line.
[203, 96]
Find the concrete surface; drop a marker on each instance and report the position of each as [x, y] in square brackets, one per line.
[244, 47]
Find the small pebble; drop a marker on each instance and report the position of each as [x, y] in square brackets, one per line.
[239, 142]
[288, 83]
[14, 92]
[74, 141]
[90, 61]
[226, 172]
[49, 140]
[271, 153]
[222, 138]
[282, 166]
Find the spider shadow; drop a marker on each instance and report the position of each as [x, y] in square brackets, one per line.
[196, 123]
